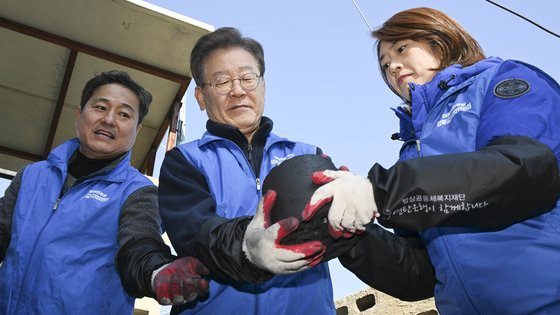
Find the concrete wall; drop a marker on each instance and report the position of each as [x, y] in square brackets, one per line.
[370, 301]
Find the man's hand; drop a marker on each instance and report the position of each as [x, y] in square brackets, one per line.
[262, 247]
[353, 205]
[180, 281]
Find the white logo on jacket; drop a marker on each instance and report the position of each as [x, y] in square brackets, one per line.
[277, 160]
[455, 109]
[97, 195]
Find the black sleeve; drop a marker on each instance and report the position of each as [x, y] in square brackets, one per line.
[188, 211]
[7, 206]
[397, 265]
[141, 248]
[510, 180]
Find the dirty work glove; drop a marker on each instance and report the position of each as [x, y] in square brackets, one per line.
[180, 282]
[353, 204]
[262, 247]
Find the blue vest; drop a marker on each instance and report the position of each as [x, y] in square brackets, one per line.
[61, 258]
[515, 270]
[236, 191]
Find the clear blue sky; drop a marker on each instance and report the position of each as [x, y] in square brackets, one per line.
[323, 86]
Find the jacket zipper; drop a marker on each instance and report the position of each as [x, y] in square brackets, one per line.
[56, 204]
[250, 158]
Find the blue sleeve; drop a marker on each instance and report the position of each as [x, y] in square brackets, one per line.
[514, 110]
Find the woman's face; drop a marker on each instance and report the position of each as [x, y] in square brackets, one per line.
[407, 61]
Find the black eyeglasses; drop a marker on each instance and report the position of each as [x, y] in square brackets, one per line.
[223, 84]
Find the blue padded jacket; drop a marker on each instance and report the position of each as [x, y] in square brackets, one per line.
[512, 270]
[61, 258]
[236, 191]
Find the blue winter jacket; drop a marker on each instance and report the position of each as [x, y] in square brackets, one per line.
[61, 258]
[237, 191]
[514, 270]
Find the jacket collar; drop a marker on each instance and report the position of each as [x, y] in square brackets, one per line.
[60, 156]
[232, 133]
[426, 96]
[445, 82]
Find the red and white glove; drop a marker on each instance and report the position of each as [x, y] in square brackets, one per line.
[353, 204]
[180, 282]
[262, 247]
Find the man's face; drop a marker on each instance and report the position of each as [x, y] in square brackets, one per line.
[407, 61]
[108, 124]
[240, 108]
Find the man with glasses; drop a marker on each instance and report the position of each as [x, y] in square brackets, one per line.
[210, 190]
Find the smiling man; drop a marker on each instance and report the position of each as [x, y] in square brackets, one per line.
[71, 225]
[210, 190]
[108, 123]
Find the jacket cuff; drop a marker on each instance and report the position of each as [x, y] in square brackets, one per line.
[137, 260]
[219, 247]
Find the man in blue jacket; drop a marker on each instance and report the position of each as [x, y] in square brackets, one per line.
[70, 225]
[210, 190]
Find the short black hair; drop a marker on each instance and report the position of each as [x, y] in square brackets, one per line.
[121, 78]
[222, 38]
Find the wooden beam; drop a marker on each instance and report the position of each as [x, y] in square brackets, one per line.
[90, 50]
[150, 157]
[20, 154]
[7, 174]
[60, 101]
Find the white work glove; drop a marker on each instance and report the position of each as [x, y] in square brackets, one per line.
[262, 247]
[353, 204]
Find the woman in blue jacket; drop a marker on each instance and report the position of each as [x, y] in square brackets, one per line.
[474, 196]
